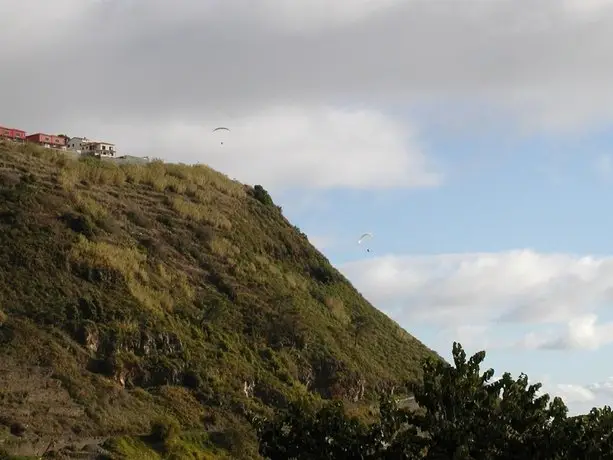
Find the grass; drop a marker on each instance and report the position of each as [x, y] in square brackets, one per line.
[140, 293]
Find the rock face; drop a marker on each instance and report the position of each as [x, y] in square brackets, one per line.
[159, 288]
[112, 358]
[248, 388]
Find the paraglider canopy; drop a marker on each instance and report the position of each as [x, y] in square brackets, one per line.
[221, 128]
[364, 237]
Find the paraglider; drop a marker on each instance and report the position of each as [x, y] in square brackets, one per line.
[364, 237]
[221, 128]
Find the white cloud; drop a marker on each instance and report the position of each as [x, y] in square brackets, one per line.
[548, 64]
[572, 393]
[315, 147]
[581, 332]
[519, 286]
[471, 336]
[580, 398]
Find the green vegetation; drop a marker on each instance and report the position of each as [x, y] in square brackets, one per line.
[462, 415]
[152, 311]
[163, 311]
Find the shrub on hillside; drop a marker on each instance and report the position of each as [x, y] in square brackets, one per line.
[165, 430]
[260, 194]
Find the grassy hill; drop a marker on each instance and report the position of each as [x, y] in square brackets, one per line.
[144, 304]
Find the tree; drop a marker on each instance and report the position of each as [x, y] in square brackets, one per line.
[459, 406]
[464, 414]
[215, 312]
[361, 324]
[589, 436]
[302, 433]
[467, 415]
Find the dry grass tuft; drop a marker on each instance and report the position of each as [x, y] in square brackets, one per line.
[89, 171]
[182, 179]
[125, 261]
[89, 206]
[192, 180]
[338, 310]
[223, 248]
[296, 281]
[200, 213]
[131, 266]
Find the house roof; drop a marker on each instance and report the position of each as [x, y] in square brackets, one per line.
[43, 134]
[98, 142]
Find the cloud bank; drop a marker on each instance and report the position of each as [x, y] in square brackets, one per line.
[512, 287]
[295, 69]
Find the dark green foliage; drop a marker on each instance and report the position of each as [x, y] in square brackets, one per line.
[260, 194]
[467, 415]
[361, 325]
[164, 430]
[302, 433]
[79, 223]
[462, 415]
[323, 273]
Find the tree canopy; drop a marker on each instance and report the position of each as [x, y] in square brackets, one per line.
[464, 413]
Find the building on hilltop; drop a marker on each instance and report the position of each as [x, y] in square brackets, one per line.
[98, 149]
[66, 139]
[12, 134]
[76, 143]
[47, 140]
[89, 147]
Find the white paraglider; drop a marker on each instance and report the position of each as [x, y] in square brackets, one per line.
[221, 128]
[366, 236]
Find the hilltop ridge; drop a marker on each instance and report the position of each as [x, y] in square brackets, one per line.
[165, 295]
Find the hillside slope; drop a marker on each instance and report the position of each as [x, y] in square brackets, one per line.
[131, 293]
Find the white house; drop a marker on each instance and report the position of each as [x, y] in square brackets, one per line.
[86, 146]
[99, 149]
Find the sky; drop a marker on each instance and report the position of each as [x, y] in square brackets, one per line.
[473, 138]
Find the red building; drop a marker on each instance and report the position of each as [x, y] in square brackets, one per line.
[47, 140]
[12, 134]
